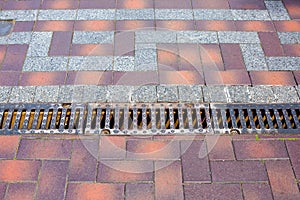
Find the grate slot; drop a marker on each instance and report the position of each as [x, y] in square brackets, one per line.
[14, 121]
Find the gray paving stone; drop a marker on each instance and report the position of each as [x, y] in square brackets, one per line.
[238, 37]
[6, 27]
[46, 64]
[39, 44]
[57, 15]
[166, 93]
[88, 63]
[283, 63]
[212, 14]
[251, 15]
[96, 14]
[215, 94]
[144, 94]
[89, 94]
[135, 14]
[261, 94]
[289, 37]
[254, 57]
[22, 94]
[238, 94]
[174, 14]
[190, 93]
[204, 37]
[65, 94]
[3, 40]
[285, 94]
[124, 63]
[277, 10]
[19, 15]
[102, 37]
[155, 37]
[146, 60]
[5, 93]
[119, 93]
[19, 38]
[46, 94]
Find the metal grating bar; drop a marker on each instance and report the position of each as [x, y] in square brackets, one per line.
[145, 119]
[295, 118]
[287, 120]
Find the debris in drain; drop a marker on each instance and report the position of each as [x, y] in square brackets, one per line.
[6, 27]
[105, 132]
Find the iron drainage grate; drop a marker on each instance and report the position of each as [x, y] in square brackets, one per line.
[146, 119]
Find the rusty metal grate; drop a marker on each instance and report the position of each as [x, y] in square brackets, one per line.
[148, 118]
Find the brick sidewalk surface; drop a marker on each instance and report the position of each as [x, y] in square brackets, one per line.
[157, 167]
[240, 51]
[59, 48]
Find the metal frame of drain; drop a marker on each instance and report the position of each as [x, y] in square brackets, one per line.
[145, 119]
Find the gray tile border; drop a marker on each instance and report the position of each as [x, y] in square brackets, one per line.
[167, 93]
[283, 63]
[277, 10]
[285, 94]
[119, 93]
[19, 15]
[144, 94]
[57, 14]
[238, 37]
[145, 60]
[261, 94]
[215, 94]
[45, 64]
[89, 93]
[254, 15]
[19, 38]
[5, 92]
[93, 37]
[254, 57]
[155, 36]
[203, 37]
[65, 94]
[212, 14]
[40, 44]
[238, 94]
[190, 93]
[46, 94]
[90, 63]
[96, 14]
[22, 94]
[174, 14]
[124, 63]
[289, 37]
[135, 14]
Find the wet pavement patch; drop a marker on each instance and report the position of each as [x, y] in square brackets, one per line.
[6, 27]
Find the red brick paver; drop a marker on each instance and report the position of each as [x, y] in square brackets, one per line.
[206, 167]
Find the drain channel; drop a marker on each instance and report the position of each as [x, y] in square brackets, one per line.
[148, 118]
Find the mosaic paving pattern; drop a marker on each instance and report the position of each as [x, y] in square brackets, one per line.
[219, 52]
